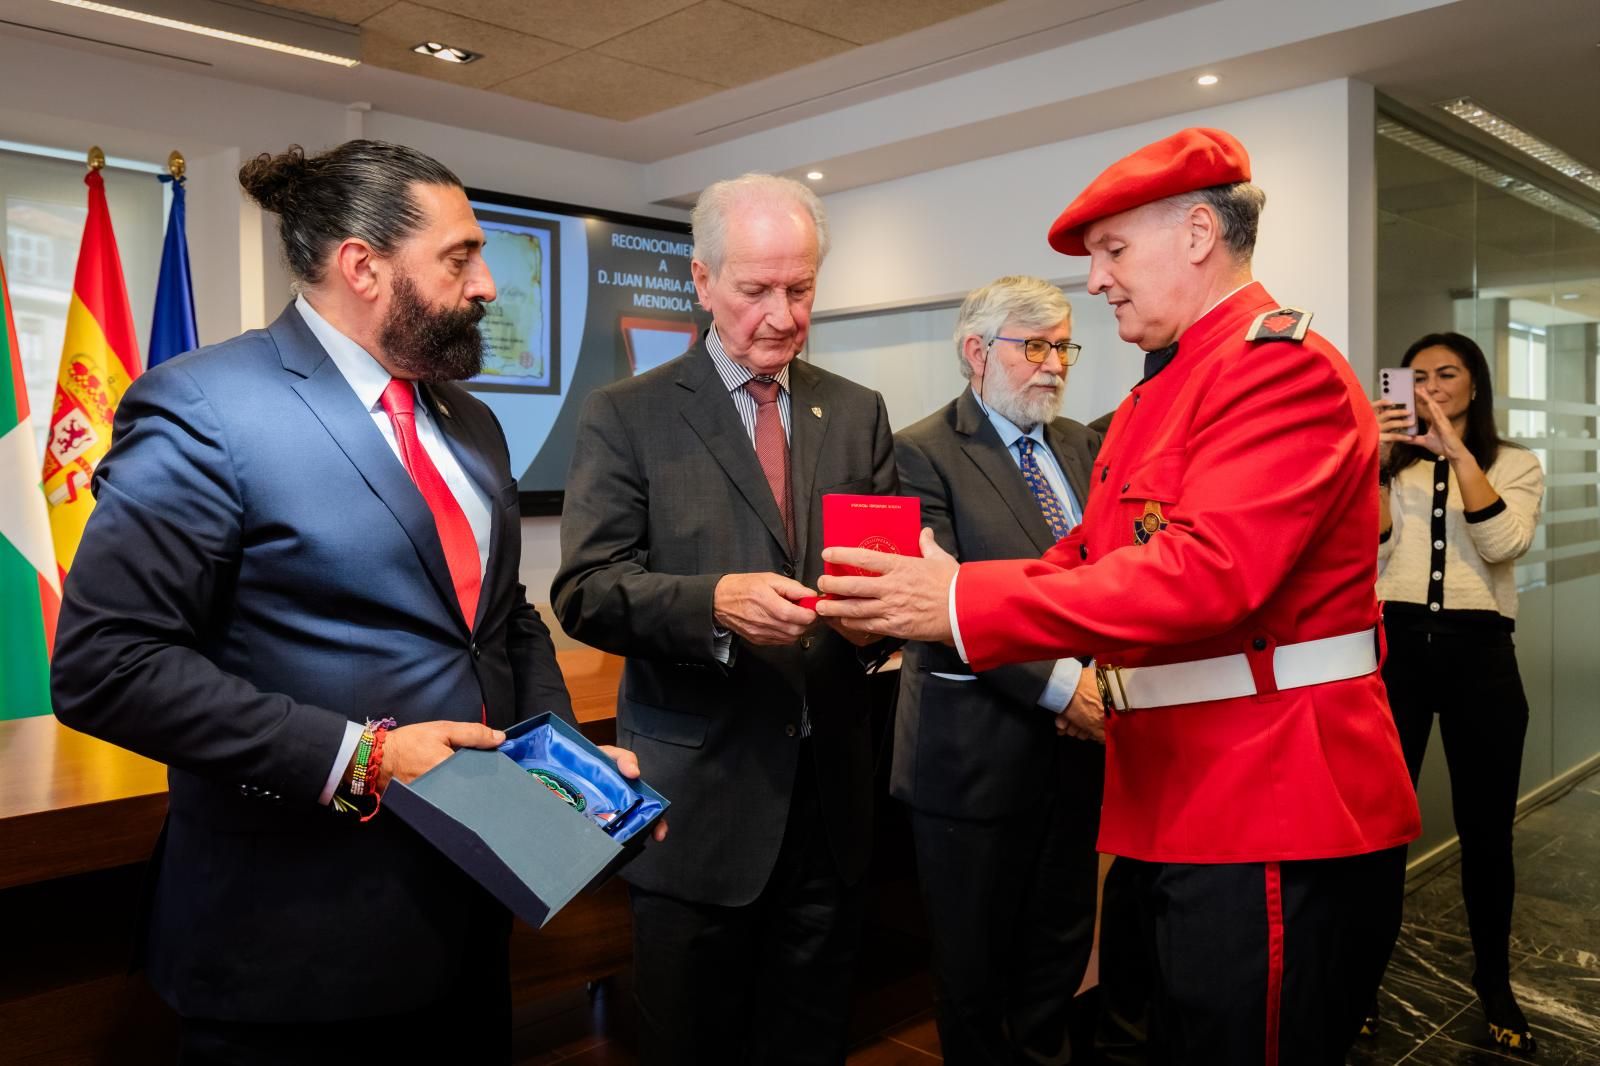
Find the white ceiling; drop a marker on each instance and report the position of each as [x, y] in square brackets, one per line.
[1002, 78]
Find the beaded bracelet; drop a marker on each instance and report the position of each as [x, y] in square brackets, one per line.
[358, 775]
[380, 730]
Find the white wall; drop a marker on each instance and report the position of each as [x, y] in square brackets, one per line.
[945, 232]
[937, 235]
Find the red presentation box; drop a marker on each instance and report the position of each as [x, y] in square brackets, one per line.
[879, 523]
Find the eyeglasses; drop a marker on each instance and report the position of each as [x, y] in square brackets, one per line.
[1037, 349]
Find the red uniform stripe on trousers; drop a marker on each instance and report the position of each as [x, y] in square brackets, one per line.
[1274, 959]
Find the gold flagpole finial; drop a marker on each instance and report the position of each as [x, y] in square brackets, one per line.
[97, 158]
[176, 165]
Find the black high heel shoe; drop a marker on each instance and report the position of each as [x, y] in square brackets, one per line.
[1508, 1026]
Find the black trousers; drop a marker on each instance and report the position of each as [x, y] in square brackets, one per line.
[1471, 683]
[1264, 963]
[1127, 971]
[1011, 906]
[472, 1024]
[766, 983]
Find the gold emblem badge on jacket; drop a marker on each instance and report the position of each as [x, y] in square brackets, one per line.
[1150, 523]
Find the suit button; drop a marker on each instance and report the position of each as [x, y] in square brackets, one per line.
[1259, 644]
[1104, 470]
[805, 643]
[1083, 552]
[1126, 485]
[790, 730]
[788, 570]
[477, 652]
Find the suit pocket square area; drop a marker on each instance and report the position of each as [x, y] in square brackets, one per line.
[953, 677]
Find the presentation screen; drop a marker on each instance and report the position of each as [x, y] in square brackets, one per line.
[585, 297]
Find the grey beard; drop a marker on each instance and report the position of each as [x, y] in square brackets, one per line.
[1023, 411]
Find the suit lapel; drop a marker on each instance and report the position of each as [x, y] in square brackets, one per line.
[984, 447]
[472, 452]
[1072, 463]
[710, 413]
[330, 398]
[808, 421]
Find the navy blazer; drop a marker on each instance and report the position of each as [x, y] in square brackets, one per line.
[259, 570]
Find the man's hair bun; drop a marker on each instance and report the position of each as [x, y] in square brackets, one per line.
[272, 180]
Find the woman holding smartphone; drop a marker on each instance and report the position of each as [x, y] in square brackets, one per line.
[1458, 507]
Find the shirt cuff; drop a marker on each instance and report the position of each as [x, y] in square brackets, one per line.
[722, 644]
[1062, 684]
[955, 626]
[347, 748]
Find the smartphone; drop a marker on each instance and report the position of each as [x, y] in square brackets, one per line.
[1397, 388]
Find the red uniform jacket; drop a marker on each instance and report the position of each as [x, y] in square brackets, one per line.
[1257, 464]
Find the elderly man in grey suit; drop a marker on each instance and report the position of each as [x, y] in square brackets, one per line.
[1004, 811]
[691, 532]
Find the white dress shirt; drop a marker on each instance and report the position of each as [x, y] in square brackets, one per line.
[367, 377]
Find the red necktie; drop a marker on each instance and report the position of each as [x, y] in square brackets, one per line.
[455, 533]
[772, 447]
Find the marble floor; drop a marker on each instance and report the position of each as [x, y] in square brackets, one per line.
[1430, 1014]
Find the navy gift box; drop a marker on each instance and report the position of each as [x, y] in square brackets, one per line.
[515, 836]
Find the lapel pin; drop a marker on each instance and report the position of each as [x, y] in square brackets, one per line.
[440, 404]
[817, 411]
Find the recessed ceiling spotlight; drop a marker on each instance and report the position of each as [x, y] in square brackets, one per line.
[813, 175]
[1514, 136]
[446, 53]
[1570, 295]
[1207, 79]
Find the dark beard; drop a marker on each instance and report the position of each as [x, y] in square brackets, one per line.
[431, 345]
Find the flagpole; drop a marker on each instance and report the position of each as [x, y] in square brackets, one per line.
[173, 329]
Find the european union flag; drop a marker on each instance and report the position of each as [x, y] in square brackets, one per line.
[172, 329]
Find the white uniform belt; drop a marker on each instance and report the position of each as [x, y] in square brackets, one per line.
[1311, 662]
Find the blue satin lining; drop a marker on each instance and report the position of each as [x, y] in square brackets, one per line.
[609, 801]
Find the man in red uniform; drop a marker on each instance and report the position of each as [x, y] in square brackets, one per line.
[1223, 581]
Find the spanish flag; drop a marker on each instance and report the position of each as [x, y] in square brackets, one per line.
[99, 360]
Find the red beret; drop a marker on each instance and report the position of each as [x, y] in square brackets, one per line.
[1191, 159]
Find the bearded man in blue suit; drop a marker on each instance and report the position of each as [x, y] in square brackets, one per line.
[298, 531]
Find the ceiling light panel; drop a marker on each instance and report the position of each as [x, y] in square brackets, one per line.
[241, 22]
[1527, 192]
[1515, 136]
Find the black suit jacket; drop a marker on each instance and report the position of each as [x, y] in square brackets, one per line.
[259, 570]
[665, 496]
[981, 748]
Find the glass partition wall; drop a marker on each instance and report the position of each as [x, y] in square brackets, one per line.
[1471, 242]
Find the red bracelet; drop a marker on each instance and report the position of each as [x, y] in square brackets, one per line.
[373, 763]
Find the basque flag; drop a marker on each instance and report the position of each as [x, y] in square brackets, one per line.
[172, 329]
